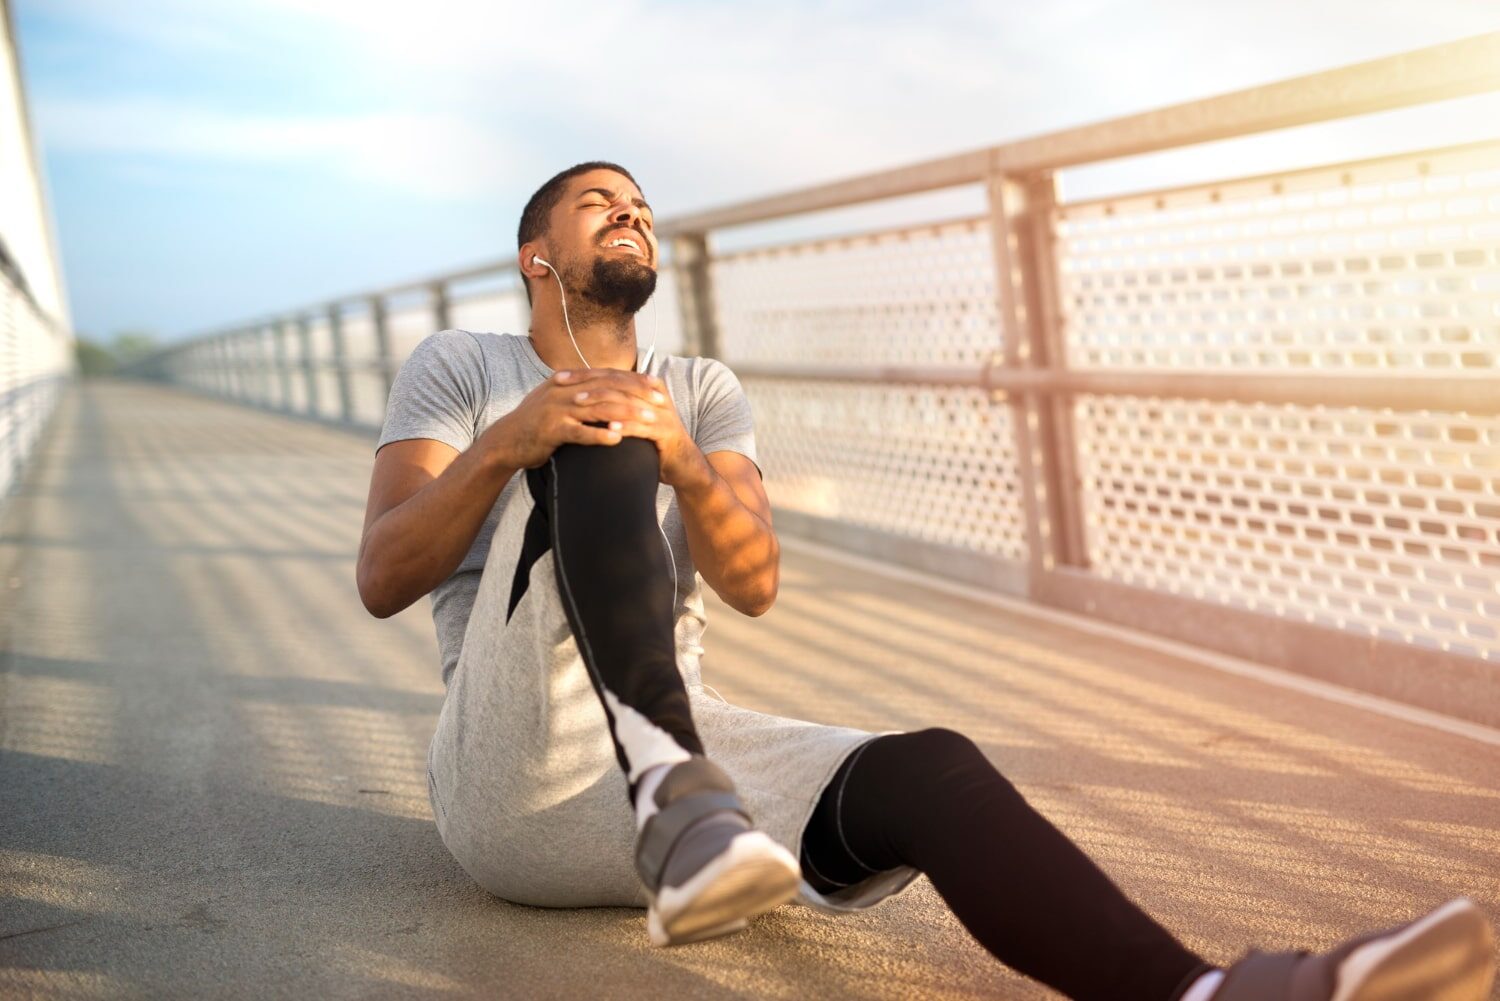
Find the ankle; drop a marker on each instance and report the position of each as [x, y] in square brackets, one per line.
[645, 793]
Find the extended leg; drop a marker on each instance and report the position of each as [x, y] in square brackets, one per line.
[930, 799]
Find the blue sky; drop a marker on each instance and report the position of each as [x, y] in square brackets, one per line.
[210, 161]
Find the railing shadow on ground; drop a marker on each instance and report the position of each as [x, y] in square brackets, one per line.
[220, 755]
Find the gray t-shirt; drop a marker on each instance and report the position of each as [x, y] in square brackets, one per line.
[457, 383]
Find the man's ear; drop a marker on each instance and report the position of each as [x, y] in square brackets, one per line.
[529, 267]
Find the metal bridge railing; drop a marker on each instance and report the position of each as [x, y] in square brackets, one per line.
[36, 357]
[1261, 415]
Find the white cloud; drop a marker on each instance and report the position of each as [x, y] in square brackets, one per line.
[714, 102]
[474, 102]
[430, 156]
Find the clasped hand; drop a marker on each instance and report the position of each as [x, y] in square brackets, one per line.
[602, 406]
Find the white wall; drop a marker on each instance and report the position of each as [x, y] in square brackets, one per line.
[25, 222]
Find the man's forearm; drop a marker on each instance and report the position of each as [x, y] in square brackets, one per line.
[735, 550]
[416, 545]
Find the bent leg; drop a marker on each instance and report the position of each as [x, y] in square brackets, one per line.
[930, 799]
[596, 509]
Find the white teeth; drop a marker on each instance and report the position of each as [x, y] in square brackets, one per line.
[622, 242]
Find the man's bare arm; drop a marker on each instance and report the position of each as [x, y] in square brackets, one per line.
[427, 504]
[428, 501]
[728, 522]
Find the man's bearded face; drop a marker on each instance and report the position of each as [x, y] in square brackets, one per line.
[602, 212]
[619, 283]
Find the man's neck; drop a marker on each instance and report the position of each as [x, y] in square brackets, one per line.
[606, 342]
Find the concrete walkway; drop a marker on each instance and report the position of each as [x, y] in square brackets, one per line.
[211, 758]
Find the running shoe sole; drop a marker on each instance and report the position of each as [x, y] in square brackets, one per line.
[1447, 956]
[751, 876]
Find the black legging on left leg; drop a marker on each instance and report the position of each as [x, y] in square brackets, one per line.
[596, 509]
[930, 799]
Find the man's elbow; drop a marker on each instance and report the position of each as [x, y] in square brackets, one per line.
[756, 611]
[759, 604]
[372, 592]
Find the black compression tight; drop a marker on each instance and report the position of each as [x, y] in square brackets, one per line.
[930, 799]
[595, 508]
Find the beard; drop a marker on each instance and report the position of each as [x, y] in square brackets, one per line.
[621, 286]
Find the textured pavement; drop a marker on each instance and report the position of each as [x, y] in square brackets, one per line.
[211, 757]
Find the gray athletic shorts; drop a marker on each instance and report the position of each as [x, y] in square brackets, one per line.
[522, 774]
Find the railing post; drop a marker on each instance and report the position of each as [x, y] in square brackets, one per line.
[239, 385]
[283, 364]
[441, 319]
[696, 295]
[236, 385]
[382, 346]
[1049, 351]
[217, 360]
[1021, 226]
[341, 363]
[309, 369]
[262, 365]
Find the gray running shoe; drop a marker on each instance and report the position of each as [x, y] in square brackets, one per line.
[1449, 955]
[705, 869]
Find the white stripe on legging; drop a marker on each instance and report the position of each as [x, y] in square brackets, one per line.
[645, 743]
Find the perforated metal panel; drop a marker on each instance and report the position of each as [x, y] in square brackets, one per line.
[33, 361]
[921, 462]
[1392, 265]
[662, 317]
[910, 297]
[917, 461]
[1357, 519]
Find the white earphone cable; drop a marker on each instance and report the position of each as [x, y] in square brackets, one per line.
[655, 329]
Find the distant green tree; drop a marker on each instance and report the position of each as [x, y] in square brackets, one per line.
[132, 345]
[94, 359]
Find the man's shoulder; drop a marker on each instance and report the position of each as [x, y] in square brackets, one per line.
[459, 339]
[459, 347]
[698, 367]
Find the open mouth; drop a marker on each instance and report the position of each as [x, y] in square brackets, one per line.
[630, 243]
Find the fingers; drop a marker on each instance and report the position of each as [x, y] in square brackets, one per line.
[615, 407]
[612, 433]
[634, 405]
[594, 380]
[584, 434]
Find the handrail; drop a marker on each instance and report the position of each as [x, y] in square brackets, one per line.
[1438, 72]
[1062, 350]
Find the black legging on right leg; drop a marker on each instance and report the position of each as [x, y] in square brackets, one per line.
[595, 508]
[930, 799]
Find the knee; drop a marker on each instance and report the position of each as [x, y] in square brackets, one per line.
[939, 764]
[926, 785]
[628, 462]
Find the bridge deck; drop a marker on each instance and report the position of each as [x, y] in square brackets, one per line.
[213, 758]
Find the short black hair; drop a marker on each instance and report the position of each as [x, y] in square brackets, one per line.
[539, 207]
